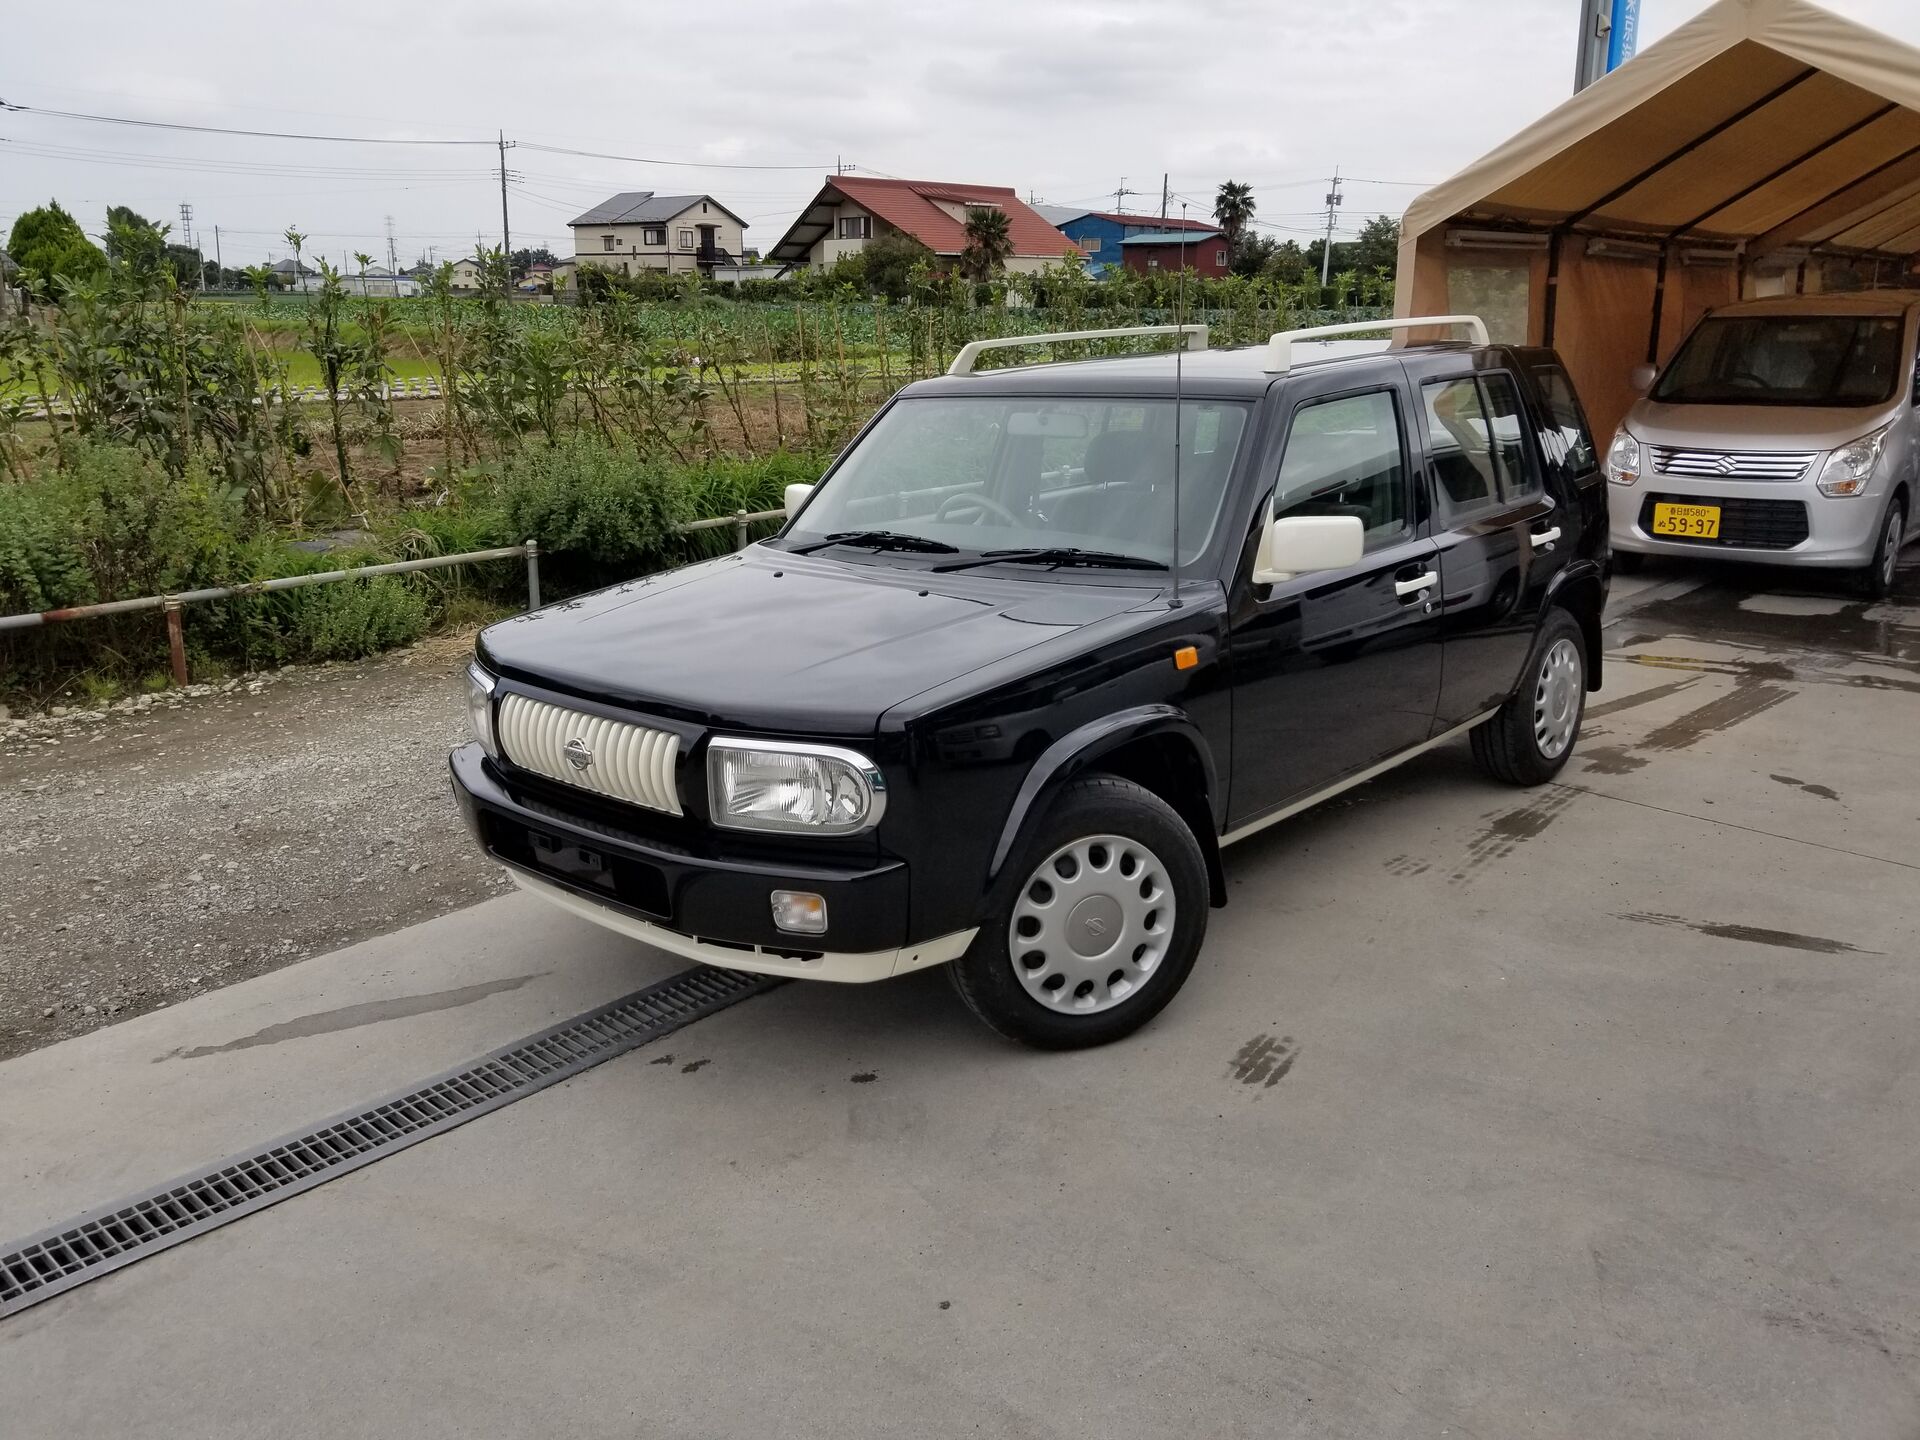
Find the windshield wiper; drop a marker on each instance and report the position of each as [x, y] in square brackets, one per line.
[878, 540]
[1056, 555]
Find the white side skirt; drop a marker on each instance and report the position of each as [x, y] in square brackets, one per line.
[855, 967]
[1254, 827]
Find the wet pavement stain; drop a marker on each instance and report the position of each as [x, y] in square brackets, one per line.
[1407, 865]
[694, 1065]
[1776, 610]
[1264, 1061]
[350, 1017]
[1609, 759]
[1742, 703]
[1645, 697]
[1821, 790]
[662, 1060]
[865, 1077]
[1506, 833]
[1752, 935]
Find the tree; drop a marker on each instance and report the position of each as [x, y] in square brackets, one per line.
[132, 239]
[1251, 253]
[989, 243]
[1233, 208]
[525, 259]
[1378, 247]
[1287, 263]
[48, 242]
[889, 263]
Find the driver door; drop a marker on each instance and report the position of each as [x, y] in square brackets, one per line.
[1337, 671]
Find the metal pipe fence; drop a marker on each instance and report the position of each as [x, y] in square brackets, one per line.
[173, 605]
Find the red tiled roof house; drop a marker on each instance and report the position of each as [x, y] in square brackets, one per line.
[852, 210]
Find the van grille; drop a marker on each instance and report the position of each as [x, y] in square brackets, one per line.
[1732, 464]
[624, 761]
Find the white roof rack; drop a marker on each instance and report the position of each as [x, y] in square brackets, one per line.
[1280, 347]
[969, 352]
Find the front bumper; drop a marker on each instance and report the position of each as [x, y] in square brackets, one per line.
[714, 910]
[1762, 521]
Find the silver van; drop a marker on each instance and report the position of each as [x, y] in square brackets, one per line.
[1784, 431]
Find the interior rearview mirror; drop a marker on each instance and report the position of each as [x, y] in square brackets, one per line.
[795, 497]
[1304, 544]
[1641, 377]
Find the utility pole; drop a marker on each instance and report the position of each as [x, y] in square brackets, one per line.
[1164, 194]
[186, 238]
[219, 265]
[506, 236]
[1120, 195]
[1333, 211]
[393, 262]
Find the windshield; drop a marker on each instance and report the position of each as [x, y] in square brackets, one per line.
[1019, 473]
[1786, 360]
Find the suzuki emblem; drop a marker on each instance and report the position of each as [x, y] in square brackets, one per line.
[1726, 465]
[577, 753]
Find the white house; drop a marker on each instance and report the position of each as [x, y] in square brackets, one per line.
[639, 231]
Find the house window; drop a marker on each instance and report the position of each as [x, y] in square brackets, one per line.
[654, 235]
[1219, 257]
[607, 241]
[1153, 262]
[686, 239]
[856, 227]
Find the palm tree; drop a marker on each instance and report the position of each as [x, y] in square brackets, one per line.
[1233, 208]
[989, 243]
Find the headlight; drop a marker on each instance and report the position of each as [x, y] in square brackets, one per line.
[480, 708]
[1849, 468]
[774, 785]
[1623, 458]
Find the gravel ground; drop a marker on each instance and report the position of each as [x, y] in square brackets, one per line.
[193, 839]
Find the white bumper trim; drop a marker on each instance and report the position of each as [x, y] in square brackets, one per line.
[851, 967]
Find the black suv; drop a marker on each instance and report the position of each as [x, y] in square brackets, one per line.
[976, 705]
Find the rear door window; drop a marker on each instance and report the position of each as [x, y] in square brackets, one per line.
[1475, 442]
[1565, 441]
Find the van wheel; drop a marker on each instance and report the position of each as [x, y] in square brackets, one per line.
[1876, 579]
[1531, 737]
[1103, 927]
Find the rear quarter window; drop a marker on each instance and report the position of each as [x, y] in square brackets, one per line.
[1566, 443]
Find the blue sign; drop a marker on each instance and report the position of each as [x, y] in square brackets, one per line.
[1623, 37]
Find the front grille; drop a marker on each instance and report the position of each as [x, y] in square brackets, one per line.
[625, 761]
[1732, 464]
[1747, 524]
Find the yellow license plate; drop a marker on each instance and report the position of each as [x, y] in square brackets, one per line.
[1700, 522]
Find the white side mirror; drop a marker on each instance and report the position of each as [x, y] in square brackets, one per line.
[1641, 377]
[796, 496]
[1303, 544]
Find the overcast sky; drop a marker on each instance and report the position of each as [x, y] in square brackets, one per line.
[1061, 98]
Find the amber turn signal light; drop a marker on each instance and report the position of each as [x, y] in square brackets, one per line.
[1185, 658]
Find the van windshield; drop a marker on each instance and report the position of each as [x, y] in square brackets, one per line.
[1786, 360]
[990, 473]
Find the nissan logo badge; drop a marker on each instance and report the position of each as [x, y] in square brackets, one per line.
[577, 753]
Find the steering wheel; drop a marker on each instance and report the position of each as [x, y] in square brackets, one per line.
[984, 503]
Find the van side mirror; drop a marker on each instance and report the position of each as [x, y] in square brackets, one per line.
[795, 497]
[1641, 377]
[1304, 544]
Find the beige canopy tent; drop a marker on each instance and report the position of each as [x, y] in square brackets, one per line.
[1766, 147]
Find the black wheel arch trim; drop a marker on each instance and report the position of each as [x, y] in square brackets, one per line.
[1079, 751]
[1579, 576]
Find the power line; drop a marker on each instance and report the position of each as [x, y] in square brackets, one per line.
[648, 160]
[226, 130]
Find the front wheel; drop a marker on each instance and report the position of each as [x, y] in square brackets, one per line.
[1876, 578]
[1532, 735]
[1104, 926]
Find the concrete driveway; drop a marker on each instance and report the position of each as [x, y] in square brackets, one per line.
[1587, 1110]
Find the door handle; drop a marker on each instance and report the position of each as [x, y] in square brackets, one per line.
[1419, 582]
[1545, 537]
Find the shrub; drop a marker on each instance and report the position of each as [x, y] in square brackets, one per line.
[606, 509]
[356, 618]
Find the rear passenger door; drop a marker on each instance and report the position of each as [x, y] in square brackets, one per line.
[1336, 671]
[1495, 531]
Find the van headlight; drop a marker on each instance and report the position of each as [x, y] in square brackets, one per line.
[1623, 458]
[1849, 469]
[480, 708]
[808, 789]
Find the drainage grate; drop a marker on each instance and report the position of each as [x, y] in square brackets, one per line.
[85, 1249]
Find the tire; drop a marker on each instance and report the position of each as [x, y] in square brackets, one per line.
[1875, 580]
[1531, 737]
[1107, 856]
[1628, 562]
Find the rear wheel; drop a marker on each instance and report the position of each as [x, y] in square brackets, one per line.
[1103, 928]
[1876, 579]
[1531, 737]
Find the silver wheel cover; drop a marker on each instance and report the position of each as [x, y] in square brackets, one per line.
[1091, 924]
[1556, 698]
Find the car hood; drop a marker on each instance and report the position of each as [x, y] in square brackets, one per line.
[1753, 427]
[781, 643]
